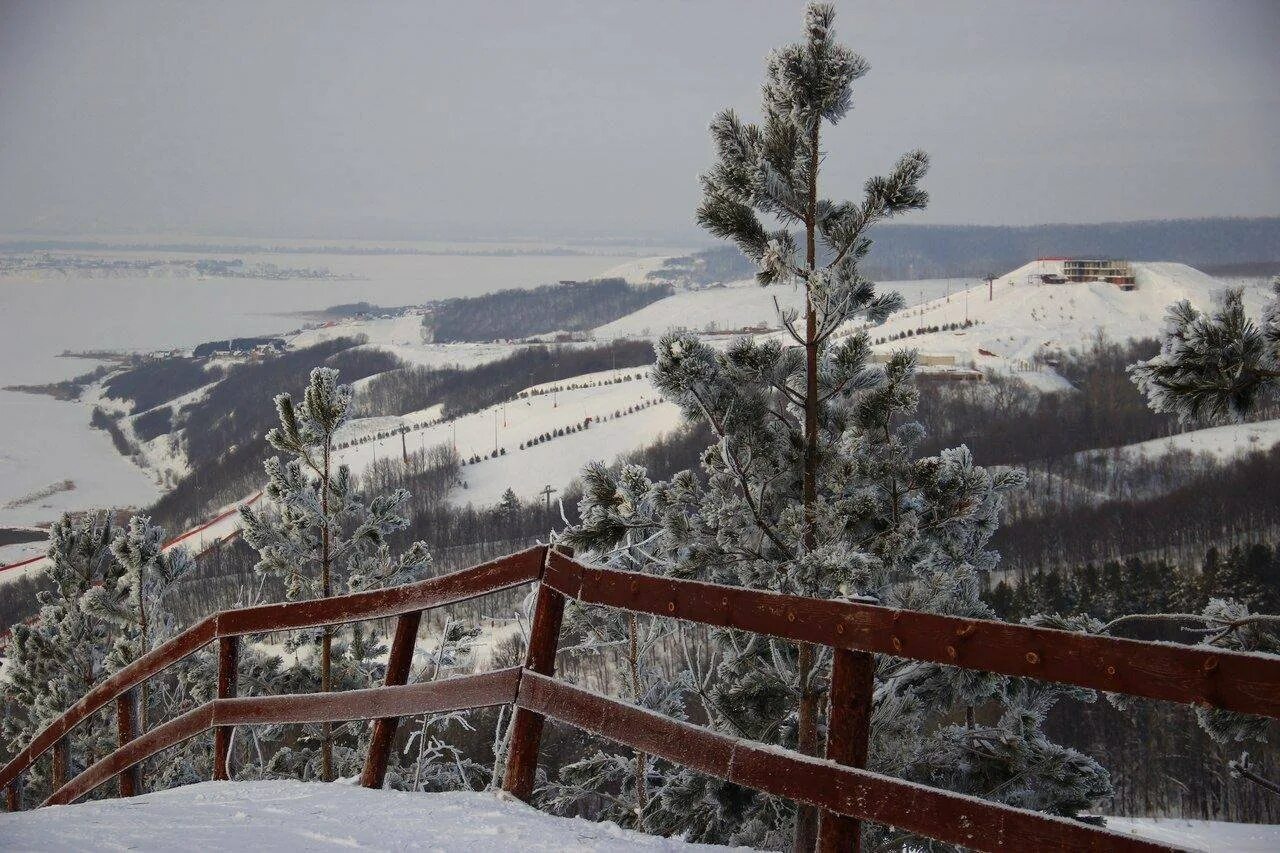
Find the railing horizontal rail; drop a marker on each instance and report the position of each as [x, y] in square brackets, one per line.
[1236, 681]
[175, 731]
[451, 694]
[956, 818]
[503, 573]
[152, 663]
[432, 697]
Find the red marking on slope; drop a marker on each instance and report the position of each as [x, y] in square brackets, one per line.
[169, 544]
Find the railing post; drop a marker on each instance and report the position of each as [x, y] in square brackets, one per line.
[13, 795]
[526, 725]
[399, 662]
[228, 687]
[61, 761]
[126, 731]
[848, 735]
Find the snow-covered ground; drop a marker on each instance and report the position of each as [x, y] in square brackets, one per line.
[1212, 836]
[743, 304]
[1021, 317]
[288, 816]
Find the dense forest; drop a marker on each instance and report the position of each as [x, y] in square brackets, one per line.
[570, 306]
[1234, 246]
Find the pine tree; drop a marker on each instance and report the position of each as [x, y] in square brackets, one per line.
[814, 487]
[54, 661]
[320, 531]
[1214, 367]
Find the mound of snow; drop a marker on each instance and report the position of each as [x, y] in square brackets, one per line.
[286, 816]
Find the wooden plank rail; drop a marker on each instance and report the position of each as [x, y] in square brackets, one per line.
[839, 785]
[1236, 681]
[956, 818]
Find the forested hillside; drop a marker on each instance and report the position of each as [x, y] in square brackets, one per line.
[1231, 246]
[569, 306]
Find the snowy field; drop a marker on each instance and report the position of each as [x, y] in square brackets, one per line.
[297, 816]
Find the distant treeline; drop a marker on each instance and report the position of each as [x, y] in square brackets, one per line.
[569, 306]
[1160, 761]
[1223, 246]
[461, 391]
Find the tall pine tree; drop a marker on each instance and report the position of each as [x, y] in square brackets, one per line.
[814, 487]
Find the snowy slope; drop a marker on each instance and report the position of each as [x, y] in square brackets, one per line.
[1023, 317]
[740, 304]
[288, 816]
[507, 425]
[1222, 442]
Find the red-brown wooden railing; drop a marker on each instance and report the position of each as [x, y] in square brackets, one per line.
[838, 785]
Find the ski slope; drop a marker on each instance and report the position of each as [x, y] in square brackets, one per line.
[1020, 317]
[742, 304]
[507, 425]
[289, 816]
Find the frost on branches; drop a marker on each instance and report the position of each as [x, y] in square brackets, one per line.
[813, 487]
[1213, 367]
[107, 608]
[1220, 367]
[320, 533]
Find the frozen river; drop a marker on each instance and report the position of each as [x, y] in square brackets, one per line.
[44, 442]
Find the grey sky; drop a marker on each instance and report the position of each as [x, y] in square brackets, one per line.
[553, 119]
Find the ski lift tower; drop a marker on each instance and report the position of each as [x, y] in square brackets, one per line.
[991, 286]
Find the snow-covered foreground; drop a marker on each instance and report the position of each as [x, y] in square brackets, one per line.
[288, 815]
[284, 816]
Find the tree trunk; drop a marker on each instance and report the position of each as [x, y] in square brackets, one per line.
[326, 748]
[806, 831]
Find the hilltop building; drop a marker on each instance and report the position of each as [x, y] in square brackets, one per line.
[1110, 270]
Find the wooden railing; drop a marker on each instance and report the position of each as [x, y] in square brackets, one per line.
[838, 785]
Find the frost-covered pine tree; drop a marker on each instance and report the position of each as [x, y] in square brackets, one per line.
[57, 659]
[814, 487]
[1213, 368]
[137, 602]
[1217, 366]
[317, 534]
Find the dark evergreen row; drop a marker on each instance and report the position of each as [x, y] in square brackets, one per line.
[570, 306]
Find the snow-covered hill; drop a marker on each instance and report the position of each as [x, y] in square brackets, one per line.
[288, 816]
[744, 304]
[1021, 317]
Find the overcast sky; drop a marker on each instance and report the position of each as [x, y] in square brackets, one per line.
[555, 119]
